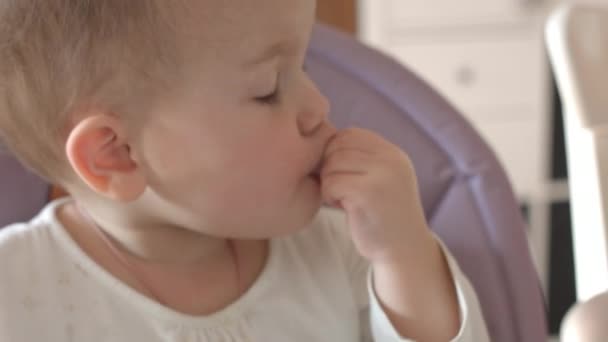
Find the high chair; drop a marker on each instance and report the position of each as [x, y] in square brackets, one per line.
[466, 196]
[577, 38]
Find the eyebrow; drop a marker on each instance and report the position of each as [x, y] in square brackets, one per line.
[268, 53]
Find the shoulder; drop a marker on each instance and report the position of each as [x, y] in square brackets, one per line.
[34, 256]
[38, 278]
[23, 237]
[29, 245]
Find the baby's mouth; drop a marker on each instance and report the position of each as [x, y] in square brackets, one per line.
[316, 172]
[316, 177]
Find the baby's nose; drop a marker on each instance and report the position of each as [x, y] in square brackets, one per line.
[313, 116]
[311, 122]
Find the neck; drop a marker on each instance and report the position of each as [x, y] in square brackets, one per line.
[181, 278]
[156, 243]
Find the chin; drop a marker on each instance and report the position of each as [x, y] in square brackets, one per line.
[297, 221]
[296, 216]
[307, 217]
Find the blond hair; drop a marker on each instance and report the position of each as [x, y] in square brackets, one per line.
[58, 55]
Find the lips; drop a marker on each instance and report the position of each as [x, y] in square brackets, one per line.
[316, 171]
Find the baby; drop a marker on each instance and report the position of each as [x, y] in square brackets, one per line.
[198, 155]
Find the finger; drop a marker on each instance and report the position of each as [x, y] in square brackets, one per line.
[347, 161]
[355, 138]
[329, 154]
[338, 188]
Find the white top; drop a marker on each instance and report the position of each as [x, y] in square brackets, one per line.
[314, 287]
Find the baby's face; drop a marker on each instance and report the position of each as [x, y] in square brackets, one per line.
[231, 151]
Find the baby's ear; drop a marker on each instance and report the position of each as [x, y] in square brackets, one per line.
[98, 150]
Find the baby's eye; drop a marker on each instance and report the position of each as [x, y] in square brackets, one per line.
[269, 99]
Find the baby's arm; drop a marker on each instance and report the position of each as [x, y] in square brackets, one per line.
[472, 325]
[373, 181]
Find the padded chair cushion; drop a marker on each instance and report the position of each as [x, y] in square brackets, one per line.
[22, 193]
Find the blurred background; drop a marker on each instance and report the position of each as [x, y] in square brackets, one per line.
[489, 59]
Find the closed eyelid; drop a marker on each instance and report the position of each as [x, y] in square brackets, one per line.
[271, 96]
[268, 54]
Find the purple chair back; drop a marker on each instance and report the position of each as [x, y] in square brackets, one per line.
[22, 193]
[467, 198]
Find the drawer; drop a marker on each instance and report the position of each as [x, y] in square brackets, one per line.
[521, 146]
[449, 13]
[507, 113]
[492, 74]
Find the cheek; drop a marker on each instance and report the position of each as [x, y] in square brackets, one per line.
[279, 159]
[254, 191]
[177, 151]
[264, 170]
[260, 173]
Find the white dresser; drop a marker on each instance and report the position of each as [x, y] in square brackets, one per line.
[488, 58]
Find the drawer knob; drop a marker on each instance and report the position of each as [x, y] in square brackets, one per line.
[465, 76]
[531, 3]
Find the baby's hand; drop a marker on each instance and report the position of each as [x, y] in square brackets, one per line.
[374, 182]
